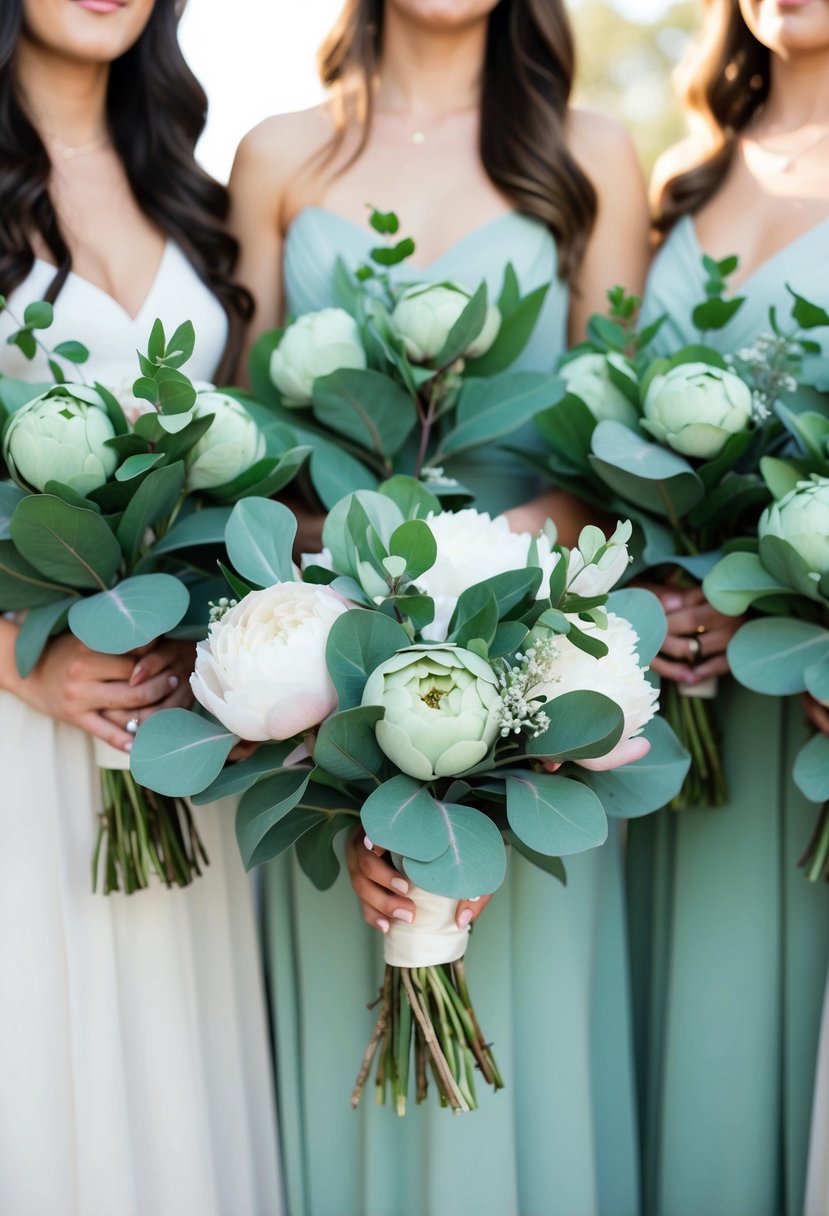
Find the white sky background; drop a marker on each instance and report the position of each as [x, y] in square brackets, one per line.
[257, 57]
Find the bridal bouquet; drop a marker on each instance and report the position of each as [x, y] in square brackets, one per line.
[424, 676]
[782, 572]
[675, 444]
[101, 530]
[404, 376]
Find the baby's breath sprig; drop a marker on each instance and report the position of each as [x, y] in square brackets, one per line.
[768, 365]
[520, 711]
[220, 608]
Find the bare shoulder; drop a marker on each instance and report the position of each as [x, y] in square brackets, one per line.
[276, 147]
[602, 147]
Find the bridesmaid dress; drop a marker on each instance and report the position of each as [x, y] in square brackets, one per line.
[547, 964]
[729, 940]
[134, 1060]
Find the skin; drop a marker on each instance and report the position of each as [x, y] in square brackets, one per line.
[428, 82]
[756, 213]
[63, 64]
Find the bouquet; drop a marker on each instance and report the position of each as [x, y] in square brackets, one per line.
[675, 443]
[422, 676]
[782, 572]
[402, 377]
[103, 522]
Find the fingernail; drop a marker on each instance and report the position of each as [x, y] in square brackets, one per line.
[368, 843]
[382, 924]
[464, 918]
[174, 681]
[403, 914]
[128, 746]
[474, 899]
[400, 885]
[136, 675]
[671, 602]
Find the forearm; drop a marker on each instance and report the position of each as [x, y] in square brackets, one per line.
[568, 513]
[10, 679]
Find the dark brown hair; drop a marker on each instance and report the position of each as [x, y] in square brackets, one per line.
[527, 78]
[723, 80]
[156, 111]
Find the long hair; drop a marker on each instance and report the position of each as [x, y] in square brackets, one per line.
[525, 90]
[723, 82]
[156, 111]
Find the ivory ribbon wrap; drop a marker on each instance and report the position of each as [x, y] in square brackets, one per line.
[433, 938]
[110, 757]
[707, 690]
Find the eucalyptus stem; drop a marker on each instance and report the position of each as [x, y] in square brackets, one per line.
[815, 860]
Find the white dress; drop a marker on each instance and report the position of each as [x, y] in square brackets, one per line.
[817, 1181]
[135, 1074]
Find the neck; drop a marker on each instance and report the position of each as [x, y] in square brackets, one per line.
[799, 92]
[65, 98]
[427, 72]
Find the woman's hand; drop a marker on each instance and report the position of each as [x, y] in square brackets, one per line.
[816, 712]
[694, 648]
[382, 890]
[168, 664]
[79, 686]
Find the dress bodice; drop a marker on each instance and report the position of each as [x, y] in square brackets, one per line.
[89, 315]
[676, 284]
[318, 237]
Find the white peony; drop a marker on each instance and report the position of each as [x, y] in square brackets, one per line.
[801, 517]
[695, 408]
[472, 547]
[317, 344]
[61, 436]
[424, 315]
[617, 675]
[232, 444]
[262, 669]
[597, 564]
[588, 378]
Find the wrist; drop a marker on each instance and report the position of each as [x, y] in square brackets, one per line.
[10, 678]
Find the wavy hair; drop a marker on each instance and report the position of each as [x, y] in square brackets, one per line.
[156, 111]
[723, 82]
[525, 91]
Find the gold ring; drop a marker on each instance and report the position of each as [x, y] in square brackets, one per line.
[695, 649]
[700, 629]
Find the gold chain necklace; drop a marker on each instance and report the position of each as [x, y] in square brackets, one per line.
[70, 151]
[787, 159]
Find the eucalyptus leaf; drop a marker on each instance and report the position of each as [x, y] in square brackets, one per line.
[177, 752]
[260, 537]
[739, 580]
[315, 850]
[153, 501]
[583, 726]
[811, 769]
[402, 816]
[771, 656]
[133, 613]
[366, 406]
[646, 474]
[347, 747]
[555, 815]
[67, 544]
[647, 784]
[493, 408]
[646, 615]
[261, 809]
[475, 861]
[21, 586]
[357, 644]
[35, 631]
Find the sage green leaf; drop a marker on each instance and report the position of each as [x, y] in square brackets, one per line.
[133, 613]
[737, 581]
[555, 815]
[177, 752]
[153, 501]
[413, 541]
[402, 816]
[412, 497]
[771, 656]
[140, 463]
[516, 329]
[347, 747]
[367, 407]
[811, 769]
[35, 631]
[10, 497]
[465, 330]
[784, 563]
[553, 866]
[260, 537]
[267, 760]
[205, 527]
[315, 850]
[650, 783]
[263, 806]
[647, 617]
[357, 644]
[816, 677]
[475, 861]
[21, 586]
[490, 409]
[66, 543]
[335, 473]
[583, 726]
[644, 473]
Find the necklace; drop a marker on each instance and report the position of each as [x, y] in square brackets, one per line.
[70, 151]
[786, 159]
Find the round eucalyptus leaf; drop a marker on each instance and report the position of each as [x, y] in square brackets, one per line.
[475, 861]
[260, 537]
[132, 613]
[555, 815]
[646, 615]
[68, 544]
[177, 752]
[811, 769]
[771, 655]
[402, 816]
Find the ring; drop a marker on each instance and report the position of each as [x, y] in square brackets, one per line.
[695, 649]
[132, 726]
[700, 629]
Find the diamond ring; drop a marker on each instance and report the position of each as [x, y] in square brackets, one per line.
[694, 648]
[132, 726]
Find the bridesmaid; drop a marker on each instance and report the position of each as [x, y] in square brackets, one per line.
[133, 1046]
[730, 939]
[428, 96]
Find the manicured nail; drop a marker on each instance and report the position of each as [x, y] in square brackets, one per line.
[174, 681]
[671, 602]
[403, 914]
[128, 746]
[400, 885]
[136, 676]
[383, 924]
[368, 843]
[464, 918]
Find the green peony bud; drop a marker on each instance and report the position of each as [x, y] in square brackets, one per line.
[61, 436]
[695, 408]
[425, 314]
[230, 446]
[315, 345]
[801, 517]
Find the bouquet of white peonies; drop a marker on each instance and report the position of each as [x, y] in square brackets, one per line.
[404, 375]
[398, 683]
[675, 444]
[111, 529]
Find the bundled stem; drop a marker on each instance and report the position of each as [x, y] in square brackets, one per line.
[427, 1010]
[692, 720]
[142, 834]
[815, 861]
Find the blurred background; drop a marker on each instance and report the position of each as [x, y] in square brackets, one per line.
[257, 57]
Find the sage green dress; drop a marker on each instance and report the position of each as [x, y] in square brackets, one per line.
[729, 940]
[547, 965]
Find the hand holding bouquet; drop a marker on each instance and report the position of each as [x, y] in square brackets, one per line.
[400, 689]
